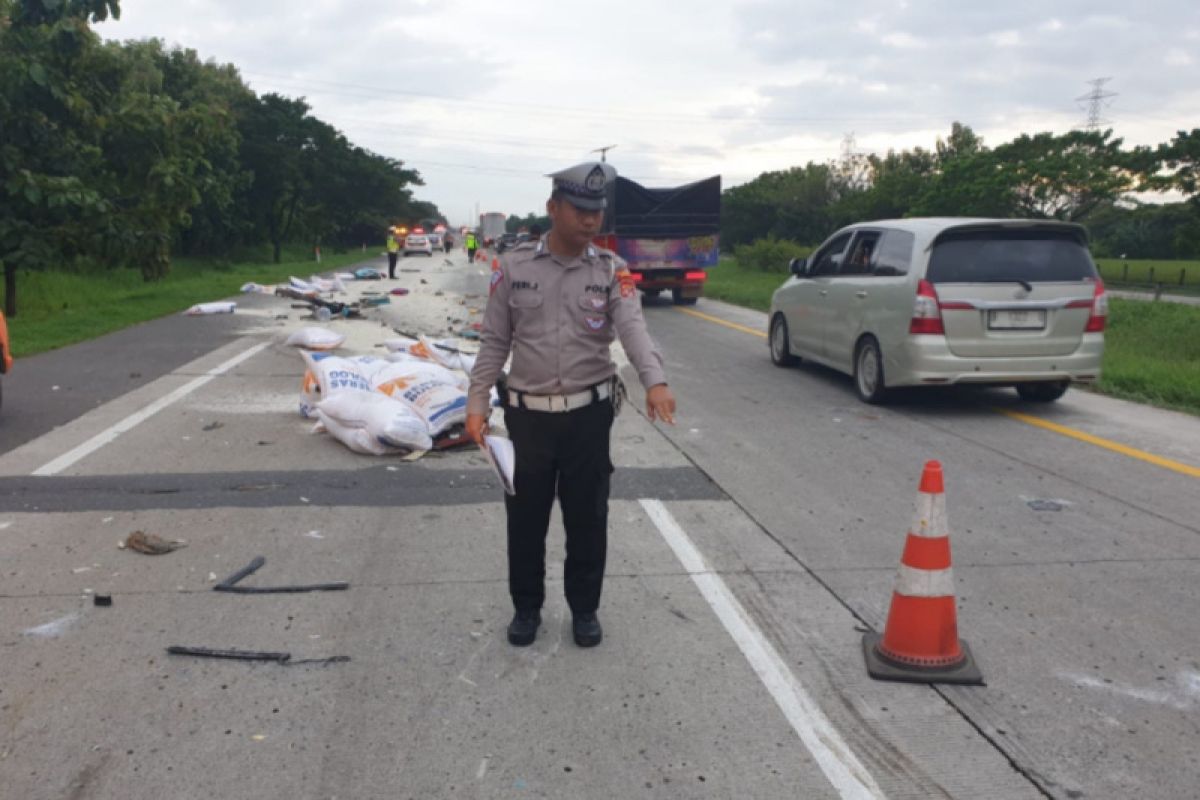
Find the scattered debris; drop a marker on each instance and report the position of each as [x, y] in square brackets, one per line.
[399, 291]
[211, 308]
[230, 583]
[212, 426]
[1045, 503]
[252, 655]
[150, 544]
[53, 628]
[103, 600]
[239, 655]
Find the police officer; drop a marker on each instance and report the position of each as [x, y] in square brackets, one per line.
[471, 245]
[393, 251]
[557, 304]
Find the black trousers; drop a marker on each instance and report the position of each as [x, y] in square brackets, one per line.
[392, 264]
[471, 254]
[565, 454]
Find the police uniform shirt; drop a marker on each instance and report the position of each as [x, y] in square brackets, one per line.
[559, 316]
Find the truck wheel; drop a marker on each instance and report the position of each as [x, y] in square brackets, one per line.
[1042, 391]
[678, 299]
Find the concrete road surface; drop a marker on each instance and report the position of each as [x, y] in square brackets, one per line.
[750, 548]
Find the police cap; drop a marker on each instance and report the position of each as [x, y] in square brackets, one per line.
[585, 185]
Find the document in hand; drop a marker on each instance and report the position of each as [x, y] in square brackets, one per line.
[502, 457]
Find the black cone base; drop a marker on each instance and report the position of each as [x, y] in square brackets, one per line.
[882, 668]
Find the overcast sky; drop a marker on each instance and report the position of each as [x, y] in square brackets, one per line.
[483, 99]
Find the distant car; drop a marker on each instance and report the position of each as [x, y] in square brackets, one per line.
[930, 302]
[418, 243]
[435, 240]
[506, 241]
[5, 353]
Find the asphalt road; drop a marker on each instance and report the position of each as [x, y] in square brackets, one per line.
[751, 545]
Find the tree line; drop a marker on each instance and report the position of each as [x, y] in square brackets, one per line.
[1088, 177]
[122, 154]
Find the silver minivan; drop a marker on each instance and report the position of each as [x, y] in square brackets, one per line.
[929, 302]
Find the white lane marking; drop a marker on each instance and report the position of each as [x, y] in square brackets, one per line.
[104, 437]
[835, 758]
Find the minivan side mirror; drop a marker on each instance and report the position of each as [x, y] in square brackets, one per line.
[799, 267]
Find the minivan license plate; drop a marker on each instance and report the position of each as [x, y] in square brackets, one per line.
[1017, 319]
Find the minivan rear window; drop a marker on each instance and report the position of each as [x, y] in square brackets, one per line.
[1002, 256]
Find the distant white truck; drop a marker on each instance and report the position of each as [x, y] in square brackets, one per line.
[491, 225]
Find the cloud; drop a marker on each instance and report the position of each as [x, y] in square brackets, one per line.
[485, 102]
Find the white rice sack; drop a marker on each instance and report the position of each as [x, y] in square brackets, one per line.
[314, 337]
[359, 440]
[321, 284]
[211, 308]
[369, 366]
[390, 424]
[441, 406]
[436, 353]
[344, 276]
[400, 375]
[326, 376]
[303, 286]
[401, 344]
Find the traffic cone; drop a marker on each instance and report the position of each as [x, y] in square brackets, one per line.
[920, 641]
[495, 264]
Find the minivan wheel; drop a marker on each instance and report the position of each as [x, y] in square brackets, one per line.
[868, 372]
[1042, 391]
[781, 353]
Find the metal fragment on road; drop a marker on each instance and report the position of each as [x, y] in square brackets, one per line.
[230, 583]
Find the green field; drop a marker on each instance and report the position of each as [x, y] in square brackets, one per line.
[1172, 275]
[1152, 350]
[56, 309]
[744, 287]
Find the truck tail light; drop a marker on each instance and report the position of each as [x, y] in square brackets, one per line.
[699, 275]
[637, 277]
[927, 316]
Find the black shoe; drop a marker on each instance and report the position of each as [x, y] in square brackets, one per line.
[523, 628]
[587, 630]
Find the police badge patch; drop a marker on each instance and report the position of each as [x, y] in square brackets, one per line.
[497, 276]
[595, 323]
[595, 180]
[625, 277]
[598, 303]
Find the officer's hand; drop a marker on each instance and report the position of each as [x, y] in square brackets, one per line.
[477, 427]
[660, 403]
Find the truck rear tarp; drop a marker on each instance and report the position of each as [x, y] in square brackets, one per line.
[656, 228]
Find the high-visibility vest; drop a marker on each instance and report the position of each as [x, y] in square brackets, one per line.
[470, 241]
[393, 246]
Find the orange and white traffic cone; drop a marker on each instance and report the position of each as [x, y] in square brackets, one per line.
[920, 641]
[495, 264]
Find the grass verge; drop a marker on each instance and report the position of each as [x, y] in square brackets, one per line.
[744, 287]
[1151, 354]
[56, 309]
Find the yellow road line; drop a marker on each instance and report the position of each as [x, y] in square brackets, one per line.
[1063, 430]
[1116, 447]
[724, 322]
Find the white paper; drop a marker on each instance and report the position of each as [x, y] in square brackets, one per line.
[503, 458]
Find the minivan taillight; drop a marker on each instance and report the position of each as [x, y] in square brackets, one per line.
[927, 317]
[1099, 308]
[1099, 317]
